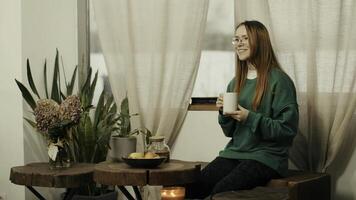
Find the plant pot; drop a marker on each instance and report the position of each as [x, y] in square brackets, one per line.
[121, 147]
[108, 196]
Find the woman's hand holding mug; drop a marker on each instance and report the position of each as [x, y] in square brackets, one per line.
[240, 115]
[220, 102]
[237, 112]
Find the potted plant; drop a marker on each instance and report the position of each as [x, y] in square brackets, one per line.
[123, 141]
[86, 134]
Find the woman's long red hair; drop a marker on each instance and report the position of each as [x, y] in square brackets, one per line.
[262, 57]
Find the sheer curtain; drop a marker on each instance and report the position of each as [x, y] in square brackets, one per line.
[316, 46]
[152, 50]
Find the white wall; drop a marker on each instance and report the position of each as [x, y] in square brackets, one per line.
[46, 25]
[29, 29]
[11, 133]
[200, 138]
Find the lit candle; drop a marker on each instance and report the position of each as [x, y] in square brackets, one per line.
[172, 193]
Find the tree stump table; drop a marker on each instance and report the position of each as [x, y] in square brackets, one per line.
[39, 174]
[175, 172]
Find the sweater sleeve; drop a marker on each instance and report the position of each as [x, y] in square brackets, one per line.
[282, 125]
[282, 128]
[227, 123]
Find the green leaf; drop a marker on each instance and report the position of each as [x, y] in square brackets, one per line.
[148, 135]
[113, 108]
[64, 72]
[30, 79]
[26, 95]
[63, 96]
[59, 84]
[32, 123]
[83, 102]
[89, 138]
[70, 86]
[125, 106]
[55, 95]
[59, 80]
[85, 90]
[125, 120]
[45, 78]
[109, 119]
[81, 137]
[88, 107]
[87, 81]
[99, 108]
[108, 103]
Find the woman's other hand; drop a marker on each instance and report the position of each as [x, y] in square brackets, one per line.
[239, 115]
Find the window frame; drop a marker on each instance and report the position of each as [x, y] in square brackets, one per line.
[83, 36]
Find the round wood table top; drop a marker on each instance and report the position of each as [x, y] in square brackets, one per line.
[175, 172]
[39, 174]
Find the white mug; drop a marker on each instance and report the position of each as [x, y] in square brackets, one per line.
[230, 102]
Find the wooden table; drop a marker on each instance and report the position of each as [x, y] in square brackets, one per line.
[176, 172]
[39, 174]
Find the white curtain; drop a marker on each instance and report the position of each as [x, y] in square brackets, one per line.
[316, 46]
[152, 48]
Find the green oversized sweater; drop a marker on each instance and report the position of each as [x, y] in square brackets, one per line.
[267, 133]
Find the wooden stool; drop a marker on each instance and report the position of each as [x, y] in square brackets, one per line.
[298, 185]
[258, 193]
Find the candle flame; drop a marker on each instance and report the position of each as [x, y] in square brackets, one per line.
[173, 193]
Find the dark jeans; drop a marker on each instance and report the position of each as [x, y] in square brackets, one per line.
[224, 174]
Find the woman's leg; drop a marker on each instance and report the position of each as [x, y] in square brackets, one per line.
[247, 175]
[210, 175]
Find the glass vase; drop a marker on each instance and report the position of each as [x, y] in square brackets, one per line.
[63, 158]
[158, 146]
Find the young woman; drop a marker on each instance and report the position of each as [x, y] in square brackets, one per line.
[264, 124]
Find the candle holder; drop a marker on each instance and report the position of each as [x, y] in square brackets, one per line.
[172, 193]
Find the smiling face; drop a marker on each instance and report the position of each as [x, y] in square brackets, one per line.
[241, 43]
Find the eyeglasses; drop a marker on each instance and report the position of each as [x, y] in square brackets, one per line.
[236, 40]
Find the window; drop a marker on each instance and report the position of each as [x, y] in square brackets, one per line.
[216, 67]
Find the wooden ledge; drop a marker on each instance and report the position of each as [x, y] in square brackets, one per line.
[202, 107]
